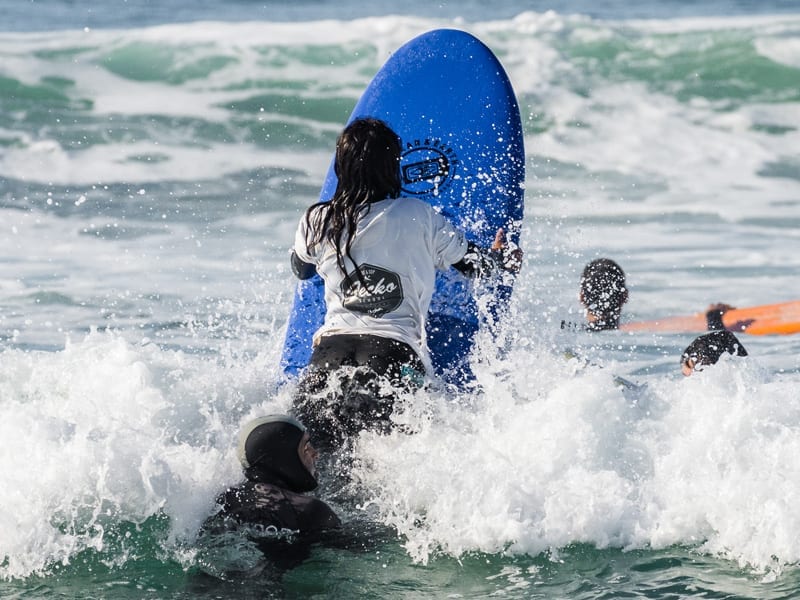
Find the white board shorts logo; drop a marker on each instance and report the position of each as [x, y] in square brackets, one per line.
[427, 166]
[380, 292]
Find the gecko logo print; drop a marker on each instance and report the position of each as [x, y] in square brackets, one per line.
[427, 166]
[380, 292]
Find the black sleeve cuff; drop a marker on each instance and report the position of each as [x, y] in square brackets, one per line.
[302, 270]
[477, 262]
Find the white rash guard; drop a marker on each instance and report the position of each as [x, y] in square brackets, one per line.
[398, 246]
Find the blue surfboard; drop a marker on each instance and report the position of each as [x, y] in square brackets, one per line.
[449, 99]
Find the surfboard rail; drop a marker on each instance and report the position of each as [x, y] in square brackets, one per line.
[781, 318]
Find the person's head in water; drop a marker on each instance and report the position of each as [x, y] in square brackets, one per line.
[276, 449]
[603, 292]
[367, 167]
[706, 350]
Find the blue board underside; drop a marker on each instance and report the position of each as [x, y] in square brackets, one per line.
[450, 101]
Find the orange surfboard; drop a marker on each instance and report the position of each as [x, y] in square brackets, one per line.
[782, 318]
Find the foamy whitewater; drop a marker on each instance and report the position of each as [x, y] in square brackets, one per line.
[151, 179]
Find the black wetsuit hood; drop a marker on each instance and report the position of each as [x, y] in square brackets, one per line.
[268, 453]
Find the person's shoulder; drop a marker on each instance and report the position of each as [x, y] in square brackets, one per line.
[421, 212]
[247, 494]
[232, 506]
[323, 516]
[589, 327]
[313, 513]
[573, 326]
[411, 206]
[234, 492]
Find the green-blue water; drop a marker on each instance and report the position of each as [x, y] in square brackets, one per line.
[154, 160]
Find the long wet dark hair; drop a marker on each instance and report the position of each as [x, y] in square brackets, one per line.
[367, 165]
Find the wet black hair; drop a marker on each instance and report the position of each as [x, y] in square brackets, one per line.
[268, 451]
[603, 292]
[706, 349]
[367, 165]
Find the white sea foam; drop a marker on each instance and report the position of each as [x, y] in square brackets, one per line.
[106, 432]
[781, 49]
[553, 452]
[552, 456]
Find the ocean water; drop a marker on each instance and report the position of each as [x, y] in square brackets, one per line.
[154, 160]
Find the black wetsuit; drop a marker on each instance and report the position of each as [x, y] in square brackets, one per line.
[598, 325]
[707, 348]
[268, 505]
[337, 402]
[284, 525]
[714, 319]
